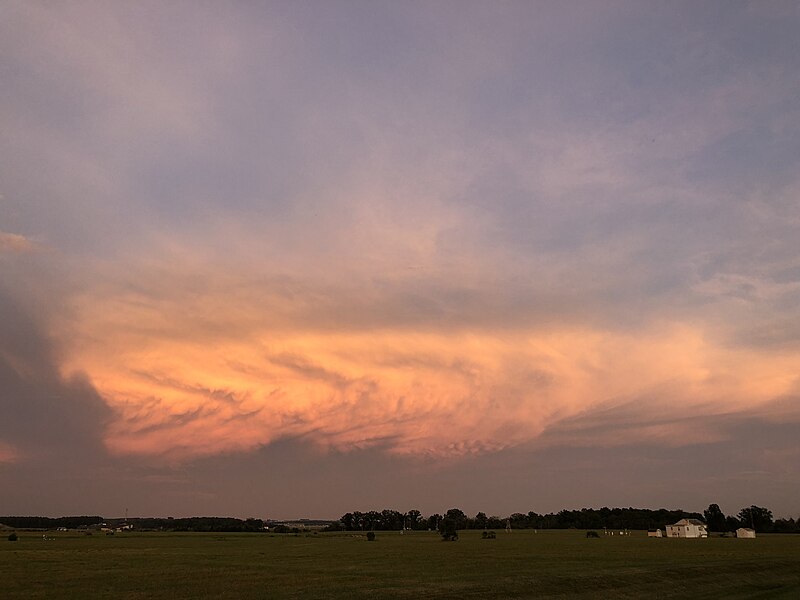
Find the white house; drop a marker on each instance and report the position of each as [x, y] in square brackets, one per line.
[687, 528]
[654, 533]
[745, 532]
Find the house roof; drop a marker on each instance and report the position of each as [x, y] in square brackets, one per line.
[690, 522]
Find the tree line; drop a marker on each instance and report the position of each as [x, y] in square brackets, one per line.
[755, 517]
[208, 524]
[586, 518]
[50, 522]
[752, 517]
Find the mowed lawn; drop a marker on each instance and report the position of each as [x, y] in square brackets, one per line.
[522, 564]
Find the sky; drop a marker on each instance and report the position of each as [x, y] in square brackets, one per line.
[295, 259]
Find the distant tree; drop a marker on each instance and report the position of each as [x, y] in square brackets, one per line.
[715, 518]
[413, 518]
[786, 526]
[495, 522]
[519, 521]
[448, 530]
[480, 520]
[347, 521]
[391, 520]
[253, 525]
[357, 520]
[371, 520]
[458, 517]
[732, 523]
[563, 519]
[756, 517]
[433, 521]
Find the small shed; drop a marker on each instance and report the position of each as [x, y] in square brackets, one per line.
[654, 533]
[745, 532]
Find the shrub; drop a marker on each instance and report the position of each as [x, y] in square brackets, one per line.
[592, 534]
[12, 537]
[370, 536]
[448, 530]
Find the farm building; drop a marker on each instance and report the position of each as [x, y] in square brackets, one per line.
[654, 533]
[687, 528]
[745, 532]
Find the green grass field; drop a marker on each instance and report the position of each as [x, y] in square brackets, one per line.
[523, 564]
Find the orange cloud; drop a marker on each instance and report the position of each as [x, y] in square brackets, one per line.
[8, 454]
[228, 372]
[15, 243]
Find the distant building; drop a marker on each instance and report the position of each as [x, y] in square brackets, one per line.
[745, 532]
[687, 528]
[654, 533]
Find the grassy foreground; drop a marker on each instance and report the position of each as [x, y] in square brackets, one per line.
[523, 564]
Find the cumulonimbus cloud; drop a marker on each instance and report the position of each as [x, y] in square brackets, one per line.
[236, 368]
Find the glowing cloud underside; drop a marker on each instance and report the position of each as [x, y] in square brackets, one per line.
[185, 384]
[7, 453]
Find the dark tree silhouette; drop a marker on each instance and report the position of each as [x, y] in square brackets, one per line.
[715, 518]
[756, 517]
[458, 517]
[448, 530]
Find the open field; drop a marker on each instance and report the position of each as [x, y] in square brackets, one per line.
[522, 564]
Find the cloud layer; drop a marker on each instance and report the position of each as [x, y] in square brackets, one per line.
[245, 363]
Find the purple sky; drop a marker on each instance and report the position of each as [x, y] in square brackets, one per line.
[293, 259]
